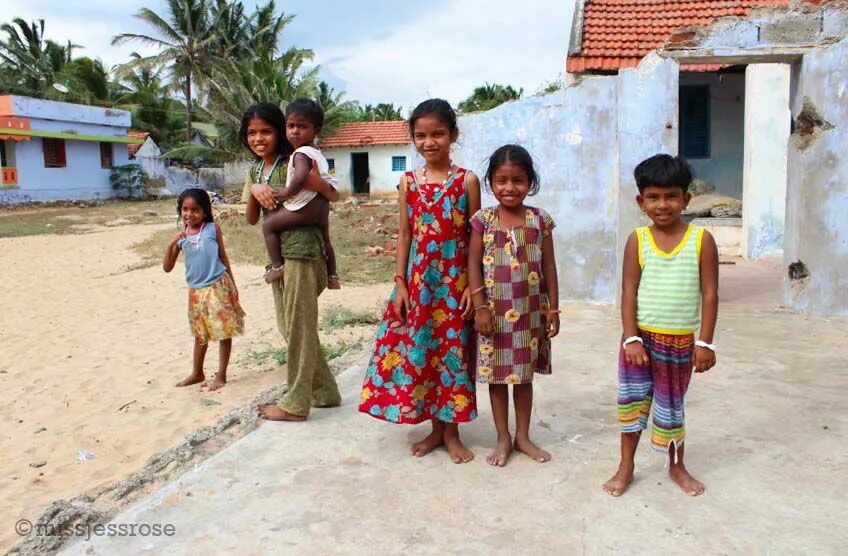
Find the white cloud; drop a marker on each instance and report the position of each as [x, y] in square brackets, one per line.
[91, 24]
[447, 52]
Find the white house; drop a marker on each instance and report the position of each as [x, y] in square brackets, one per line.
[368, 158]
[57, 150]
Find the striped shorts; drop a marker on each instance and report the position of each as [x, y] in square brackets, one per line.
[661, 384]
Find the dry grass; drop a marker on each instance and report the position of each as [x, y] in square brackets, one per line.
[353, 230]
[78, 218]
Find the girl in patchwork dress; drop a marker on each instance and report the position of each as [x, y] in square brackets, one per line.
[514, 289]
[214, 312]
[420, 367]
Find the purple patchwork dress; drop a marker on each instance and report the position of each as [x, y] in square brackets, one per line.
[516, 292]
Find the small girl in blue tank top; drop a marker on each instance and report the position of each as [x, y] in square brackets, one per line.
[214, 312]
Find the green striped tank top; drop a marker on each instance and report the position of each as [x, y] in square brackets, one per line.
[669, 297]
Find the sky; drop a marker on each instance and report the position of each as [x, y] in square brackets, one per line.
[400, 51]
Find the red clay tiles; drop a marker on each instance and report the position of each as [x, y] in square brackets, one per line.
[618, 33]
[363, 134]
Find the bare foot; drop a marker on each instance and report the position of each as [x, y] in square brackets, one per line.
[501, 453]
[687, 483]
[275, 413]
[526, 445]
[275, 274]
[457, 450]
[191, 379]
[619, 482]
[428, 444]
[218, 383]
[333, 283]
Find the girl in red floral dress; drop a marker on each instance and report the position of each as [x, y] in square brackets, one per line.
[420, 370]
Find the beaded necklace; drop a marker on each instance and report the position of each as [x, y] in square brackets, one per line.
[437, 194]
[267, 179]
[195, 243]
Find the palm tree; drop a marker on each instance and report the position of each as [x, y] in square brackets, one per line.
[184, 40]
[336, 110]
[143, 93]
[489, 96]
[30, 62]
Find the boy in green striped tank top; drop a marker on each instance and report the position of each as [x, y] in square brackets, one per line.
[669, 290]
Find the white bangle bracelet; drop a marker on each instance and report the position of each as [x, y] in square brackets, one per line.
[703, 344]
[632, 339]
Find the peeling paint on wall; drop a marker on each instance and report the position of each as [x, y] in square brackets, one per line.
[571, 135]
[817, 196]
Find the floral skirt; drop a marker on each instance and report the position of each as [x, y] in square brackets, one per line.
[214, 312]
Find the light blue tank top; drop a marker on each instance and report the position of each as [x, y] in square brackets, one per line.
[203, 267]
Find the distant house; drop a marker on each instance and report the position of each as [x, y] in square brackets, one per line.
[368, 158]
[57, 150]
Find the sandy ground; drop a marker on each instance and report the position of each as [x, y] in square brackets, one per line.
[765, 432]
[91, 353]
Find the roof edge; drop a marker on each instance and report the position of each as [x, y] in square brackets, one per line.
[575, 45]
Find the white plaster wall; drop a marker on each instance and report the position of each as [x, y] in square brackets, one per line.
[571, 135]
[648, 124]
[81, 178]
[383, 180]
[723, 168]
[817, 189]
[767, 126]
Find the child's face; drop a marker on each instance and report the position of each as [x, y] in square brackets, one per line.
[191, 212]
[432, 139]
[261, 138]
[663, 205]
[510, 184]
[300, 130]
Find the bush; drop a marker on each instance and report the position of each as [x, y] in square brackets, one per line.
[128, 178]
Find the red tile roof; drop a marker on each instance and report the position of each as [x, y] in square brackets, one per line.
[363, 134]
[619, 33]
[132, 148]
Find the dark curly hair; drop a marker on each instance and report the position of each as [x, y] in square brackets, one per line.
[514, 154]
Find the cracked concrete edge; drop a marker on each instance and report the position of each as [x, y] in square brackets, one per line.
[101, 504]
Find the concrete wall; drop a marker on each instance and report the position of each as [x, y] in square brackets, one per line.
[383, 179]
[767, 125]
[26, 107]
[723, 168]
[82, 178]
[768, 29]
[817, 192]
[571, 135]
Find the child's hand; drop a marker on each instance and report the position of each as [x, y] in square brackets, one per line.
[552, 324]
[484, 322]
[635, 354]
[179, 235]
[400, 305]
[704, 359]
[466, 305]
[264, 194]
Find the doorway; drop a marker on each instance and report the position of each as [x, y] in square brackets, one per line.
[360, 175]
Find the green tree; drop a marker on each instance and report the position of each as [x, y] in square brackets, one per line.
[489, 96]
[144, 94]
[29, 62]
[336, 109]
[384, 111]
[185, 37]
